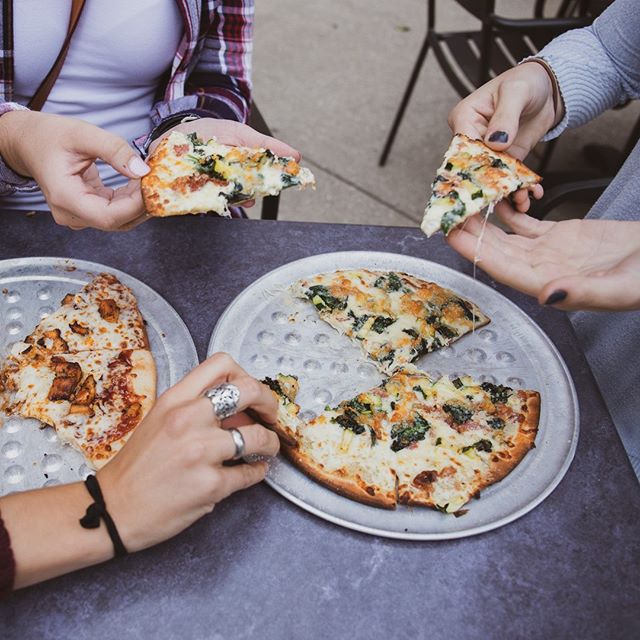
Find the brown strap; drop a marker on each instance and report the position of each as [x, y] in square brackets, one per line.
[40, 97]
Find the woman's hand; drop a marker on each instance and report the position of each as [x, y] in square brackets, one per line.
[510, 113]
[574, 264]
[170, 472]
[60, 154]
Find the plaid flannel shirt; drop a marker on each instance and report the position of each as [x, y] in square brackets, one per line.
[210, 73]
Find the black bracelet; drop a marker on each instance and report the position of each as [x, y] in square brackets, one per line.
[97, 510]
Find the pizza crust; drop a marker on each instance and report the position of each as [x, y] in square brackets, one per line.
[345, 486]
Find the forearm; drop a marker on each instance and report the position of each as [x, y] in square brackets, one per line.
[596, 67]
[46, 536]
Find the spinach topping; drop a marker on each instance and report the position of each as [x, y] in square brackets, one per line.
[477, 194]
[391, 282]
[381, 323]
[327, 300]
[208, 166]
[421, 349]
[419, 389]
[358, 321]
[481, 445]
[358, 406]
[456, 211]
[467, 309]
[499, 164]
[448, 166]
[442, 508]
[392, 404]
[496, 423]
[411, 332]
[498, 392]
[438, 441]
[405, 434]
[288, 180]
[432, 319]
[395, 283]
[464, 175]
[348, 420]
[195, 141]
[274, 385]
[458, 413]
[457, 383]
[445, 331]
[389, 356]
[374, 437]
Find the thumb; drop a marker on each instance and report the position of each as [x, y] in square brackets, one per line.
[114, 150]
[510, 102]
[613, 291]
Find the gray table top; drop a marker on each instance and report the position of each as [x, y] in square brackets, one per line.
[260, 567]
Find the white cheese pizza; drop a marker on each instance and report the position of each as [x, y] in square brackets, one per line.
[471, 178]
[86, 370]
[189, 175]
[412, 440]
[395, 317]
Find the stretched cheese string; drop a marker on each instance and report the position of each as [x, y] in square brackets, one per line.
[476, 259]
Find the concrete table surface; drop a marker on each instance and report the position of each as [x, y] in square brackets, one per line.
[260, 567]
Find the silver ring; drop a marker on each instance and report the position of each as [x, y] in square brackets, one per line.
[238, 441]
[224, 399]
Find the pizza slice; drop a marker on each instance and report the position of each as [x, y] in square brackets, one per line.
[189, 175]
[471, 178]
[93, 399]
[103, 315]
[395, 317]
[286, 389]
[418, 441]
[475, 434]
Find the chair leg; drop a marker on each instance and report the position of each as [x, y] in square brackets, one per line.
[546, 155]
[270, 206]
[405, 101]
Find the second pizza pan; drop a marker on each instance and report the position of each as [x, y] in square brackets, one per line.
[30, 289]
[269, 332]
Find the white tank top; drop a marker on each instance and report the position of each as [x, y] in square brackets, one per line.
[117, 58]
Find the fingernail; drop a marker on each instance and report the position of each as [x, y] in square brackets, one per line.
[499, 136]
[138, 167]
[556, 296]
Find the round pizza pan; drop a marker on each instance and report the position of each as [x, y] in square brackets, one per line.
[267, 331]
[30, 289]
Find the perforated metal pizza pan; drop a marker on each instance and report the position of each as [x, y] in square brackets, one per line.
[31, 288]
[268, 332]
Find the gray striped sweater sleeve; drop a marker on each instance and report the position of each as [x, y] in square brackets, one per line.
[597, 67]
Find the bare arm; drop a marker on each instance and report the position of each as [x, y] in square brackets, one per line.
[168, 475]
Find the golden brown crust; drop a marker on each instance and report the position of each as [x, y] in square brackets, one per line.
[150, 184]
[524, 441]
[346, 486]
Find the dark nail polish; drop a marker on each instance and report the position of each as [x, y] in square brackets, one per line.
[499, 136]
[556, 296]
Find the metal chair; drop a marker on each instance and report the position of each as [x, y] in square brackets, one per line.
[270, 204]
[471, 58]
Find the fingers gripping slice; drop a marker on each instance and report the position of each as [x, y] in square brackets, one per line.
[472, 177]
[189, 175]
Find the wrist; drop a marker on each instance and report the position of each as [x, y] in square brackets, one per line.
[551, 88]
[46, 536]
[14, 126]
